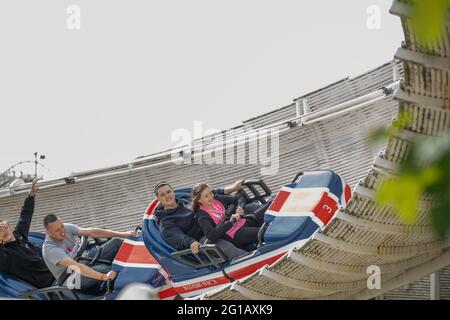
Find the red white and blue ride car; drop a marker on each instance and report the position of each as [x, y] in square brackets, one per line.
[299, 209]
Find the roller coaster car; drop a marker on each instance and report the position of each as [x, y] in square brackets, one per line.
[299, 209]
[14, 288]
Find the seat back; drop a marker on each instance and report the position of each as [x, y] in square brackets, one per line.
[12, 287]
[304, 205]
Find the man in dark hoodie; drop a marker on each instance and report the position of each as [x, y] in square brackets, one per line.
[18, 256]
[178, 225]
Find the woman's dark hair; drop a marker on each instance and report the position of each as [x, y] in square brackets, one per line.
[196, 193]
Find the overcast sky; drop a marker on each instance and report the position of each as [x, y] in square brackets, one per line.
[136, 70]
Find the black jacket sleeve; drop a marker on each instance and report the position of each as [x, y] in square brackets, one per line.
[3, 260]
[230, 200]
[23, 225]
[220, 191]
[174, 235]
[212, 231]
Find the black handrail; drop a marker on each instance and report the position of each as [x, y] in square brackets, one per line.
[208, 255]
[296, 177]
[251, 185]
[47, 292]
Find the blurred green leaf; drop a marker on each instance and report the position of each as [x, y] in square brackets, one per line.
[403, 195]
[428, 19]
[440, 216]
[425, 170]
[426, 167]
[377, 135]
[430, 176]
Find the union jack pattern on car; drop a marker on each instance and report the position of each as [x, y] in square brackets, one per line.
[295, 214]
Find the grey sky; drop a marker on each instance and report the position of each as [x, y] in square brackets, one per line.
[137, 70]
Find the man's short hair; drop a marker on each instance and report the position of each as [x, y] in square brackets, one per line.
[50, 218]
[160, 185]
[4, 223]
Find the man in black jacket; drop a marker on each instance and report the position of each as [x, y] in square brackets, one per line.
[19, 257]
[178, 225]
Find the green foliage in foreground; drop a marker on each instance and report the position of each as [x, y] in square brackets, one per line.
[428, 19]
[425, 171]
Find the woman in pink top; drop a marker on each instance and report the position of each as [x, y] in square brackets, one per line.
[217, 223]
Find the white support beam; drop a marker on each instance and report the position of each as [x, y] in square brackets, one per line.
[305, 106]
[365, 192]
[251, 294]
[312, 286]
[408, 276]
[398, 251]
[293, 283]
[409, 135]
[347, 106]
[347, 295]
[435, 286]
[400, 9]
[385, 164]
[429, 61]
[423, 101]
[324, 266]
[213, 292]
[351, 247]
[298, 108]
[383, 171]
[352, 270]
[404, 229]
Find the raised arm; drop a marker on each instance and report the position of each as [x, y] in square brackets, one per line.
[104, 233]
[235, 187]
[26, 214]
